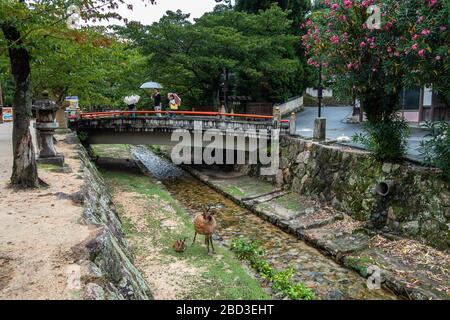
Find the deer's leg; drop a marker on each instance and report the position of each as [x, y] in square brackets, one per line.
[212, 246]
[194, 237]
[207, 242]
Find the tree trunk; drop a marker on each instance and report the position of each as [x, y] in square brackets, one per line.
[24, 174]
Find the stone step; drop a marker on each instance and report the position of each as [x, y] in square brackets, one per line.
[259, 196]
[264, 197]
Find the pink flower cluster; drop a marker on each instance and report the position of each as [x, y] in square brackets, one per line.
[334, 39]
[353, 66]
[366, 3]
[432, 3]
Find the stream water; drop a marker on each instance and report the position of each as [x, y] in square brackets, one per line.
[326, 278]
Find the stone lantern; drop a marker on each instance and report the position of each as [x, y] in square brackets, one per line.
[46, 126]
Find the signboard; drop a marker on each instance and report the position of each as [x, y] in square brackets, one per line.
[7, 114]
[73, 102]
[72, 107]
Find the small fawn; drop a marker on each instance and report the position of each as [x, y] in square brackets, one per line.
[180, 246]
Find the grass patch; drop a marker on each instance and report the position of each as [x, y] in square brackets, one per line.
[281, 280]
[112, 151]
[360, 264]
[289, 202]
[235, 191]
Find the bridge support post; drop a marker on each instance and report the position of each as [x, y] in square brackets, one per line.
[277, 116]
[293, 124]
[320, 125]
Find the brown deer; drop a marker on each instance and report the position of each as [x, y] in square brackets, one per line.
[205, 224]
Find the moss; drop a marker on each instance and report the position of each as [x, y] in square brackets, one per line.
[290, 202]
[112, 151]
[235, 191]
[359, 263]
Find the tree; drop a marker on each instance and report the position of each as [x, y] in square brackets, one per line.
[297, 9]
[375, 62]
[98, 68]
[19, 20]
[257, 49]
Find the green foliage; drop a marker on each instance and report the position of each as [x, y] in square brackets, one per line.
[189, 58]
[385, 138]
[89, 62]
[297, 9]
[101, 75]
[436, 148]
[6, 80]
[83, 136]
[281, 280]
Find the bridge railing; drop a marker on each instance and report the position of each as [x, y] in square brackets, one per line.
[94, 115]
[150, 121]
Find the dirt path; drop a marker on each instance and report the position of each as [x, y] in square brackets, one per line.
[169, 280]
[35, 245]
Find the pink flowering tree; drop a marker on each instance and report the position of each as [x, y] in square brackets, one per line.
[375, 48]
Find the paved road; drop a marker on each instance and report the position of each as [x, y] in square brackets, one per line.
[336, 127]
[5, 151]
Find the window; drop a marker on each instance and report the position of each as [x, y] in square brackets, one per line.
[411, 98]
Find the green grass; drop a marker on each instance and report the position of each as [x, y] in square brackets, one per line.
[359, 263]
[235, 191]
[112, 151]
[246, 188]
[53, 168]
[222, 276]
[281, 280]
[289, 202]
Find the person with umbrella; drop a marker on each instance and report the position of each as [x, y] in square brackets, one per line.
[131, 101]
[174, 103]
[156, 96]
[157, 102]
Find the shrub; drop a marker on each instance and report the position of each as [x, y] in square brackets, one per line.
[83, 136]
[386, 138]
[281, 280]
[436, 150]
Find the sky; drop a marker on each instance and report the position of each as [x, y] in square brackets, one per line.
[152, 13]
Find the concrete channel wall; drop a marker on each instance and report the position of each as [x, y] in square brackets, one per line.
[111, 274]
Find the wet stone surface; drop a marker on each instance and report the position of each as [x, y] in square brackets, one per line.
[325, 277]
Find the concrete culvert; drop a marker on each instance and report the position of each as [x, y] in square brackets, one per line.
[384, 188]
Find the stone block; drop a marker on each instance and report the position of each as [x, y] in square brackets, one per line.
[57, 160]
[410, 228]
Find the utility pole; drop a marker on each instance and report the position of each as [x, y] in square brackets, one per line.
[320, 123]
[320, 92]
[225, 88]
[1, 96]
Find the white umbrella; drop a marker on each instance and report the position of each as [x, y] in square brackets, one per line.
[131, 100]
[151, 85]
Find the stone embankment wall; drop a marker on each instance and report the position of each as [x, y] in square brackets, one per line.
[417, 207]
[111, 273]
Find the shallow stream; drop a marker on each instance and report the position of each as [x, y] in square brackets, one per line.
[325, 277]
